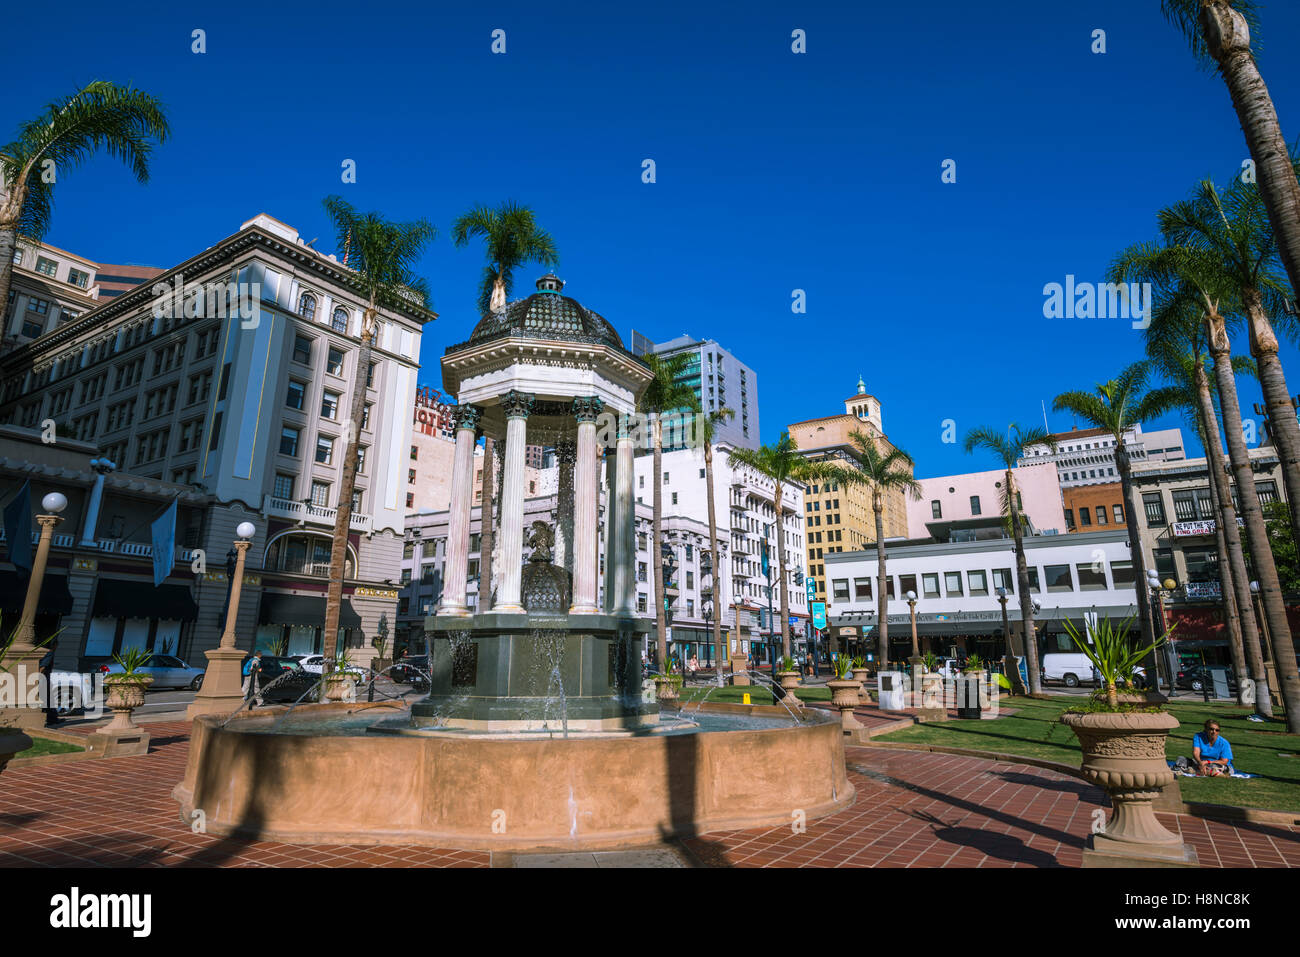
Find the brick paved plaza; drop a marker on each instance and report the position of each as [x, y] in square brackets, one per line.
[913, 809]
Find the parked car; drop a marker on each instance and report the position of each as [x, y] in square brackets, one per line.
[411, 671]
[1071, 667]
[284, 679]
[1198, 677]
[316, 665]
[168, 672]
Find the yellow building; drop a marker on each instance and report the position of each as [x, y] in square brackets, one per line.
[840, 519]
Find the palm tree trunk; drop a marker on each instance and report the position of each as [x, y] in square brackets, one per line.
[780, 565]
[8, 242]
[720, 654]
[657, 546]
[1253, 516]
[1139, 559]
[1228, 40]
[1282, 423]
[343, 509]
[882, 593]
[1029, 638]
[487, 525]
[1232, 560]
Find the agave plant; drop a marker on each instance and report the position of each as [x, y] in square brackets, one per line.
[132, 662]
[787, 663]
[844, 667]
[930, 661]
[974, 663]
[1113, 653]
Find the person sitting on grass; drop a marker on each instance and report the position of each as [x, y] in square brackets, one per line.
[1211, 752]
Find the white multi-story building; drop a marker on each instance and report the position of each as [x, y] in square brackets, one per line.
[1087, 456]
[719, 380]
[956, 584]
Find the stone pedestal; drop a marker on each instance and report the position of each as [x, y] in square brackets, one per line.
[739, 665]
[844, 696]
[789, 682]
[120, 743]
[24, 665]
[223, 684]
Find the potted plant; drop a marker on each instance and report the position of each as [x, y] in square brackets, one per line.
[845, 692]
[12, 740]
[1122, 737]
[125, 689]
[382, 662]
[667, 686]
[862, 675]
[341, 683]
[789, 675]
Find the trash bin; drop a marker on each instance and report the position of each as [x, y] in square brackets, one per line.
[890, 691]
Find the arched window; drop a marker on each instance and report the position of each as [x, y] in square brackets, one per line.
[307, 306]
[340, 321]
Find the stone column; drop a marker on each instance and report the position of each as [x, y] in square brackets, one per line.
[516, 406]
[586, 503]
[102, 467]
[624, 517]
[565, 456]
[462, 500]
[24, 658]
[222, 690]
[613, 534]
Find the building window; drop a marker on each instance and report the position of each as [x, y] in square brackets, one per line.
[641, 602]
[1118, 511]
[1154, 504]
[1101, 514]
[1091, 577]
[1069, 518]
[289, 441]
[415, 453]
[307, 306]
[930, 584]
[370, 375]
[1165, 567]
[46, 267]
[365, 415]
[410, 476]
[410, 499]
[1085, 517]
[324, 450]
[840, 589]
[78, 278]
[936, 510]
[329, 405]
[862, 589]
[1121, 573]
[334, 364]
[320, 494]
[1185, 505]
[216, 431]
[975, 505]
[978, 581]
[952, 583]
[283, 487]
[1267, 491]
[1058, 578]
[361, 460]
[339, 321]
[302, 350]
[296, 394]
[1002, 578]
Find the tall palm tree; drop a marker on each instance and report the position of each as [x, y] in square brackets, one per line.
[1117, 406]
[706, 433]
[785, 465]
[1231, 229]
[512, 239]
[383, 257]
[1009, 447]
[882, 472]
[1219, 32]
[1198, 274]
[667, 394]
[102, 116]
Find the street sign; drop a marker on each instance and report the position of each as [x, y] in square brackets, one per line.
[793, 621]
[819, 614]
[812, 588]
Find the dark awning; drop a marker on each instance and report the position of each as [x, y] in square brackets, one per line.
[302, 610]
[55, 599]
[119, 598]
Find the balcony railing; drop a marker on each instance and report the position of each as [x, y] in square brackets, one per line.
[313, 514]
[108, 546]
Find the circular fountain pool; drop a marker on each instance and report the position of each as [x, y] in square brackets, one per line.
[340, 773]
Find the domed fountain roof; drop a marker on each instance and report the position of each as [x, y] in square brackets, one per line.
[547, 314]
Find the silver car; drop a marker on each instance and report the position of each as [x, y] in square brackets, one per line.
[168, 672]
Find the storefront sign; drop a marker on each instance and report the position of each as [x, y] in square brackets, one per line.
[375, 592]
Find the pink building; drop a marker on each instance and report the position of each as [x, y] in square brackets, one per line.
[978, 495]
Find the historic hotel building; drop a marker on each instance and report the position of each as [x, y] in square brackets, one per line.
[234, 403]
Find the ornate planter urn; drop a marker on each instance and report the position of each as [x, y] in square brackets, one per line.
[844, 696]
[862, 676]
[340, 687]
[12, 741]
[789, 682]
[124, 694]
[665, 689]
[1124, 754]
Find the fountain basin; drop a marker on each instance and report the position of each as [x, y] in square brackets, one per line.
[504, 791]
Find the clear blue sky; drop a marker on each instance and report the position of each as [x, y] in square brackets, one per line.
[775, 171]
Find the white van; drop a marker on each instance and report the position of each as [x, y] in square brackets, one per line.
[1072, 667]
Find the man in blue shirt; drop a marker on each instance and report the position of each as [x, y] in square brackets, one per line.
[1211, 752]
[252, 675]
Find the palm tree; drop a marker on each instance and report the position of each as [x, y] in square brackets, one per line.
[513, 238]
[119, 120]
[707, 431]
[1198, 273]
[383, 256]
[785, 465]
[881, 472]
[1219, 32]
[1231, 229]
[666, 394]
[1117, 406]
[1009, 448]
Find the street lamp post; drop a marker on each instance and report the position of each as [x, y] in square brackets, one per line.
[23, 656]
[1158, 590]
[916, 648]
[222, 689]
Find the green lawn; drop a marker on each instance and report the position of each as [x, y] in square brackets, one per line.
[43, 746]
[734, 694]
[1261, 749]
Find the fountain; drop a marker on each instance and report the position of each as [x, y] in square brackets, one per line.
[534, 732]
